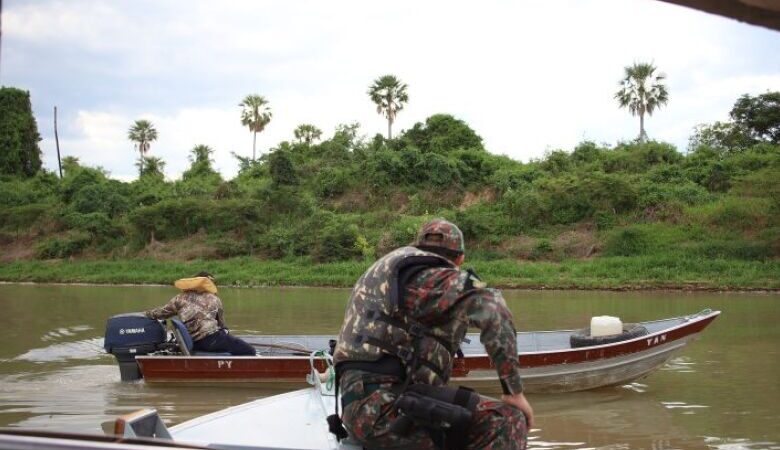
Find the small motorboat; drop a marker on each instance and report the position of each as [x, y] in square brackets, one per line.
[549, 361]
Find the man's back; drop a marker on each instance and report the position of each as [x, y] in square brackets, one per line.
[201, 312]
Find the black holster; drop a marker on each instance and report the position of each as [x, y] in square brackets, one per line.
[446, 413]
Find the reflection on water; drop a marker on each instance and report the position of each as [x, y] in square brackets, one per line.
[722, 392]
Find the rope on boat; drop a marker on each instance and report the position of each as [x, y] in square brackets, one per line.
[330, 370]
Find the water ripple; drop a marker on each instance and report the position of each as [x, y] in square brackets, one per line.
[83, 349]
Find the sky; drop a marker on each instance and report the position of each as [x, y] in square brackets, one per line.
[527, 76]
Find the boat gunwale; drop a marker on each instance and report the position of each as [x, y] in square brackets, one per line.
[691, 319]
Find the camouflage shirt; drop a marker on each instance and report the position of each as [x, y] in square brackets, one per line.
[435, 297]
[201, 312]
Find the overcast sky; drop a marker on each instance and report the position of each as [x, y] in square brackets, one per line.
[528, 76]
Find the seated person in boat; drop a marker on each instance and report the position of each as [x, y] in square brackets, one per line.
[404, 323]
[201, 311]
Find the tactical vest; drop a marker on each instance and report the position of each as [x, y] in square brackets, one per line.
[375, 323]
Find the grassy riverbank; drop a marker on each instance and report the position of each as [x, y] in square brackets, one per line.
[650, 272]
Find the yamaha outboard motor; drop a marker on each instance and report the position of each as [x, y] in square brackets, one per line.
[130, 335]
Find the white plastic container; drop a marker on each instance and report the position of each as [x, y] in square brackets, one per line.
[605, 326]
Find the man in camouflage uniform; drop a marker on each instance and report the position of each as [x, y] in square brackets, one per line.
[202, 314]
[417, 313]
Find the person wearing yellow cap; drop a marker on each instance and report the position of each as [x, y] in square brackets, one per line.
[201, 312]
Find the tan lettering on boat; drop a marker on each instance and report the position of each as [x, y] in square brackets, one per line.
[656, 340]
[223, 364]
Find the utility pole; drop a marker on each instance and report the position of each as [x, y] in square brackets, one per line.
[56, 139]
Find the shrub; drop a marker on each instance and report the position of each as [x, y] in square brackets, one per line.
[169, 218]
[71, 244]
[228, 247]
[605, 220]
[400, 231]
[735, 249]
[525, 208]
[97, 224]
[542, 249]
[332, 181]
[734, 213]
[630, 241]
[99, 197]
[337, 241]
[18, 218]
[688, 193]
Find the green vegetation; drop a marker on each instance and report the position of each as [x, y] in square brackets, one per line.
[19, 151]
[317, 210]
[643, 272]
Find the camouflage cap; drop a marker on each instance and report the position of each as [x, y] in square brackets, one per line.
[441, 233]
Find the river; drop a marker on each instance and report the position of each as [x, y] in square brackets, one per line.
[721, 392]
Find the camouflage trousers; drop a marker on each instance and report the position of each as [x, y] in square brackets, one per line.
[495, 425]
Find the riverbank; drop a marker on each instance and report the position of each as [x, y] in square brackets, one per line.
[615, 273]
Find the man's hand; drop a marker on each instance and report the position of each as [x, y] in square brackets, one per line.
[519, 401]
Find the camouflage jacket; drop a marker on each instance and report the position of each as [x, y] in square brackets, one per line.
[375, 325]
[446, 301]
[201, 312]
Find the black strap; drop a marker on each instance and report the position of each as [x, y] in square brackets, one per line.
[386, 365]
[335, 425]
[462, 396]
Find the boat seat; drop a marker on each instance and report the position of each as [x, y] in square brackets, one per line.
[186, 344]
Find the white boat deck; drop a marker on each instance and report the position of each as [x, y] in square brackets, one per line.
[295, 420]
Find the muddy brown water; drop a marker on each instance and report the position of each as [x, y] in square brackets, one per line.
[721, 392]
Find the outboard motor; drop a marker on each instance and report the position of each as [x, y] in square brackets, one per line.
[130, 335]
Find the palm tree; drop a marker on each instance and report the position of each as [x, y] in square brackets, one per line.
[256, 115]
[153, 167]
[142, 133]
[201, 153]
[642, 91]
[307, 133]
[389, 94]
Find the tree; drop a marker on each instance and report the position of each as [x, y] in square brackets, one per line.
[759, 115]
[151, 166]
[442, 133]
[19, 151]
[142, 133]
[389, 94]
[721, 136]
[642, 92]
[256, 115]
[201, 154]
[307, 133]
[281, 168]
[200, 157]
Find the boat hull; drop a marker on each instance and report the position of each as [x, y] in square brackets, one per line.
[561, 370]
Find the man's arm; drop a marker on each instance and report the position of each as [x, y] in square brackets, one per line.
[487, 310]
[169, 310]
[221, 317]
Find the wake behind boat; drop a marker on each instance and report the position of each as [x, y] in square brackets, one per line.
[549, 362]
